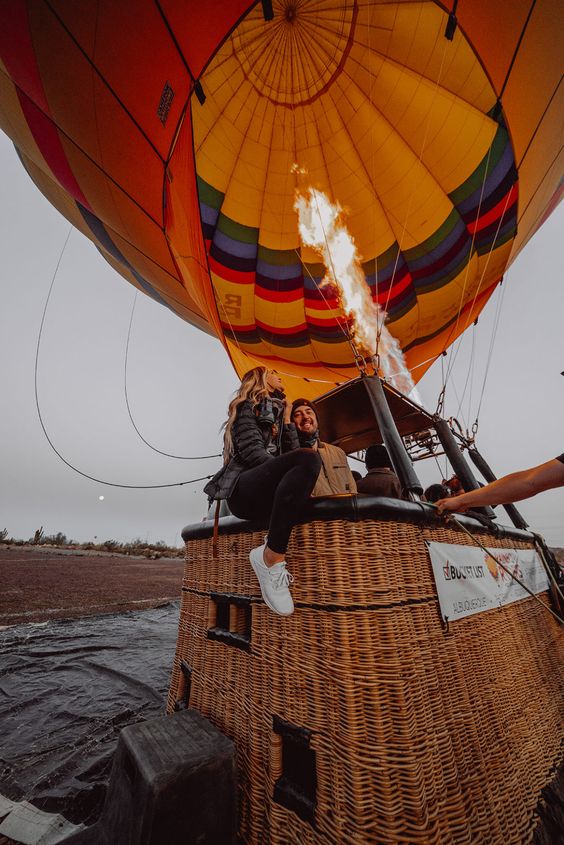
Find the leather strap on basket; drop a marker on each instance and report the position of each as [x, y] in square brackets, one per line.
[216, 529]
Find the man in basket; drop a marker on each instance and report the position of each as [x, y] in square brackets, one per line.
[335, 477]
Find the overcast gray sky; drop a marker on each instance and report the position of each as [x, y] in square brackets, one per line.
[179, 382]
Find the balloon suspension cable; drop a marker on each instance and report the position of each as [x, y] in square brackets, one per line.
[442, 395]
[459, 432]
[493, 338]
[359, 359]
[441, 402]
[42, 424]
[469, 381]
[146, 442]
[454, 330]
[448, 517]
[482, 275]
[378, 335]
[375, 364]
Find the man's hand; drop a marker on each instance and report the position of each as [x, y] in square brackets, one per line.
[510, 488]
[453, 503]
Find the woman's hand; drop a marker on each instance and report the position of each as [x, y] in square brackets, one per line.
[287, 412]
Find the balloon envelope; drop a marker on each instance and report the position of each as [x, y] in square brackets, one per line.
[175, 136]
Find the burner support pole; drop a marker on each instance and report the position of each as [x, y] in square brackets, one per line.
[391, 437]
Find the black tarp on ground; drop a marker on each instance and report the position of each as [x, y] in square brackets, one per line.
[67, 688]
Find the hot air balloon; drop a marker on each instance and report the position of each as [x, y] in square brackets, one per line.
[176, 137]
[182, 138]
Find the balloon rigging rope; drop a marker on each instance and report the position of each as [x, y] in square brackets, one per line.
[493, 338]
[146, 442]
[344, 328]
[472, 368]
[412, 194]
[49, 441]
[449, 368]
[453, 358]
[498, 314]
[499, 225]
[469, 378]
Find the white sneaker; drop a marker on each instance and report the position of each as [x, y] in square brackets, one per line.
[274, 582]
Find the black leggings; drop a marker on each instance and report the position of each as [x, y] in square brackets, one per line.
[279, 488]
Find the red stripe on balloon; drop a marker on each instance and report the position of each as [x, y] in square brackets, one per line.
[397, 288]
[496, 212]
[321, 301]
[17, 53]
[327, 323]
[311, 364]
[16, 49]
[239, 277]
[48, 140]
[281, 330]
[278, 295]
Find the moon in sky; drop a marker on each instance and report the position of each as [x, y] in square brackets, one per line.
[101, 498]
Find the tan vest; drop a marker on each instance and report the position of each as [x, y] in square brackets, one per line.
[335, 476]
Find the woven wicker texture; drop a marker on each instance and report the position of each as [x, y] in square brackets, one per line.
[421, 735]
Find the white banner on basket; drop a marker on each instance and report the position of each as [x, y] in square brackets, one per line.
[469, 581]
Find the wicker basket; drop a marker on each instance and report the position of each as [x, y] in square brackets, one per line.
[360, 719]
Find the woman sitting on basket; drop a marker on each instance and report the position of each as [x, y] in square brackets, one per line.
[265, 476]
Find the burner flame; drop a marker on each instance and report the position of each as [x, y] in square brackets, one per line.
[321, 227]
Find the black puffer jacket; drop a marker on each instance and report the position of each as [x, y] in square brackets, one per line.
[250, 449]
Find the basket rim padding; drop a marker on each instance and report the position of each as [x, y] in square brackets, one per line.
[358, 508]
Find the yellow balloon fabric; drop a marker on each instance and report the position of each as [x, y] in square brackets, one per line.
[176, 135]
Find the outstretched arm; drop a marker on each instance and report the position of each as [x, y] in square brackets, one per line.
[510, 488]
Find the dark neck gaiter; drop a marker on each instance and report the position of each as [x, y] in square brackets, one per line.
[307, 441]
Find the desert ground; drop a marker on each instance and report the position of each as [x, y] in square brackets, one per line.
[40, 584]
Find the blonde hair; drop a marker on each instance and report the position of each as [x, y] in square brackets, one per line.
[253, 388]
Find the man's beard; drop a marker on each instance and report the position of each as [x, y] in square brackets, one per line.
[308, 438]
